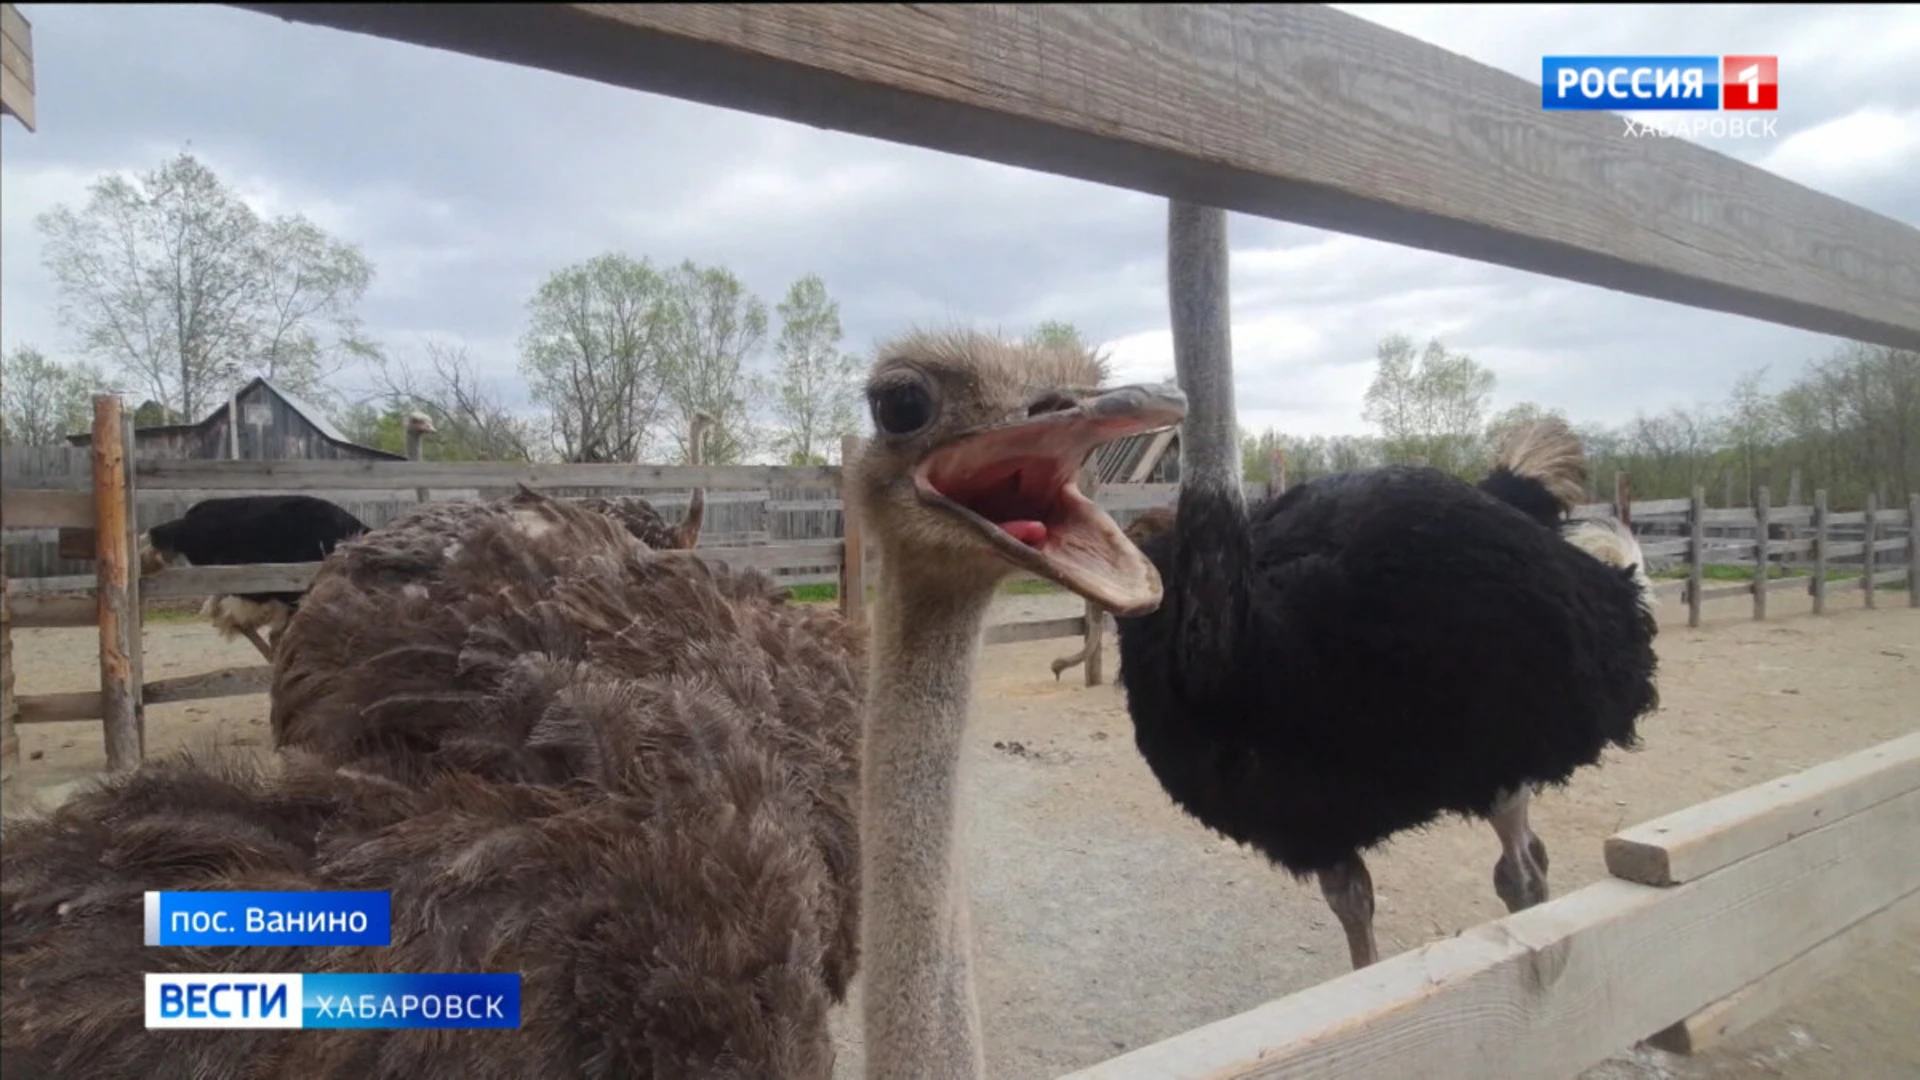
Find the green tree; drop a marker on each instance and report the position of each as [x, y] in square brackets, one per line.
[596, 352]
[174, 280]
[719, 325]
[1430, 406]
[814, 392]
[43, 401]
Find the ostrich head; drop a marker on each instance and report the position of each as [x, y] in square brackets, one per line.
[971, 470]
[699, 425]
[419, 423]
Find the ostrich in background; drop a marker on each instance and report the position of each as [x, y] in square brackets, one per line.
[643, 521]
[248, 530]
[634, 777]
[1371, 650]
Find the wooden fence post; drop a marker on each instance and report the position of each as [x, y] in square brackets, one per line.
[119, 719]
[1696, 553]
[1819, 551]
[1913, 549]
[1623, 497]
[137, 634]
[1762, 551]
[853, 558]
[1866, 554]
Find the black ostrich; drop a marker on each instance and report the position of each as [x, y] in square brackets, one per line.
[1372, 650]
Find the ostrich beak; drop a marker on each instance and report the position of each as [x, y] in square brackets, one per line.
[1014, 484]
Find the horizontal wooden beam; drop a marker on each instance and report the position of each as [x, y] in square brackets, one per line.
[1787, 983]
[1690, 843]
[1290, 111]
[1558, 988]
[51, 612]
[1035, 630]
[164, 474]
[16, 67]
[29, 508]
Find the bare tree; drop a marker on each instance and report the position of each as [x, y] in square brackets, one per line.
[473, 424]
[174, 280]
[43, 401]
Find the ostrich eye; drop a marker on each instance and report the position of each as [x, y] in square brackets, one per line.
[901, 409]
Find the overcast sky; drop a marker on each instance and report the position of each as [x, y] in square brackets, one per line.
[468, 181]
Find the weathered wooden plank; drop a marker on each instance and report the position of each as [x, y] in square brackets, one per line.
[1652, 508]
[1721, 592]
[1298, 112]
[1898, 543]
[1691, 843]
[160, 475]
[1851, 517]
[1792, 515]
[1739, 516]
[218, 580]
[1654, 549]
[50, 612]
[46, 586]
[1538, 995]
[1034, 630]
[1783, 985]
[54, 708]
[119, 615]
[16, 67]
[1845, 550]
[227, 682]
[1878, 578]
[28, 508]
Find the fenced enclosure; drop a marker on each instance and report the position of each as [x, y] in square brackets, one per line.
[1712, 910]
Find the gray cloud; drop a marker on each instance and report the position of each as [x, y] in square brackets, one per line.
[468, 181]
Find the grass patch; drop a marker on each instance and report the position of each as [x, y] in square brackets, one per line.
[1744, 572]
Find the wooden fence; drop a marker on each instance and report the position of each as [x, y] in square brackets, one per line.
[1234, 106]
[113, 488]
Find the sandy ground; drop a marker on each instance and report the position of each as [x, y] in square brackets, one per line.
[1106, 919]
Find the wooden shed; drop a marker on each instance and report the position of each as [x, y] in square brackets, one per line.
[261, 422]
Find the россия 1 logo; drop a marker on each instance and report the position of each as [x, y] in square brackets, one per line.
[1666, 84]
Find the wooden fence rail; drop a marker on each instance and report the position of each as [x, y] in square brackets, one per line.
[1709, 913]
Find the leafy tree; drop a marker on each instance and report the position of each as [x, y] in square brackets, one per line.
[43, 401]
[719, 324]
[596, 353]
[174, 280]
[1429, 406]
[814, 392]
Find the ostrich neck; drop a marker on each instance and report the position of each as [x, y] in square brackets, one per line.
[413, 446]
[1199, 302]
[920, 1016]
[1207, 582]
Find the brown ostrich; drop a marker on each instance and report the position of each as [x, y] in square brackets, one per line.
[631, 776]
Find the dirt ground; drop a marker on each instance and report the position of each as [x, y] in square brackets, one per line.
[1106, 919]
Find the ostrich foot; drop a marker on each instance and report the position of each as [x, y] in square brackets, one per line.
[1522, 883]
[1520, 875]
[1349, 892]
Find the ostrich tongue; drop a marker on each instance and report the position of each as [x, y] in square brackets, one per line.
[1015, 483]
